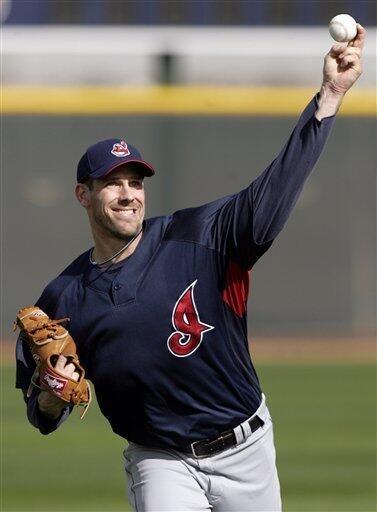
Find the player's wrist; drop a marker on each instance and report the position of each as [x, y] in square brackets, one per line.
[331, 90]
[329, 100]
[49, 405]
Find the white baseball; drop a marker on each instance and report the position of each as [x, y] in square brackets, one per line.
[343, 28]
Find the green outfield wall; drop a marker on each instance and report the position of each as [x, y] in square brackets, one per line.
[319, 275]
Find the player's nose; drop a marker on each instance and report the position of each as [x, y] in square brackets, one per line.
[125, 193]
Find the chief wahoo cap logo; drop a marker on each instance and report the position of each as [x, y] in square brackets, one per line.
[120, 149]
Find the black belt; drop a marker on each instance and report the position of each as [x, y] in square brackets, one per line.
[226, 440]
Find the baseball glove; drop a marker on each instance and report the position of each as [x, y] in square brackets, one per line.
[47, 340]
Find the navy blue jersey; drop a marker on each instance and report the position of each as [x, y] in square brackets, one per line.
[163, 334]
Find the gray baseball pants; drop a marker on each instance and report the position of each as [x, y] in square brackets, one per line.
[239, 479]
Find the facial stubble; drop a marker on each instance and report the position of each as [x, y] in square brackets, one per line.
[109, 229]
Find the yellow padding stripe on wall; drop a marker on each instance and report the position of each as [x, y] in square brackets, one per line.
[173, 100]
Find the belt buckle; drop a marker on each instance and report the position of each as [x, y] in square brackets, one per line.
[192, 445]
[219, 442]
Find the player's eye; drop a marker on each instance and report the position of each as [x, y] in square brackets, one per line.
[136, 183]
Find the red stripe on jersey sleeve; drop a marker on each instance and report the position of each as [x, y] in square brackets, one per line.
[236, 288]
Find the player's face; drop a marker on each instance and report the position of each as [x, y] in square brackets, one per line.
[116, 204]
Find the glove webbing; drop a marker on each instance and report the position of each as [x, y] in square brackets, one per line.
[49, 325]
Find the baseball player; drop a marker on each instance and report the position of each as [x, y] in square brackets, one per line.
[158, 312]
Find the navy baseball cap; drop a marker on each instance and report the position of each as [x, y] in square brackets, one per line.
[105, 156]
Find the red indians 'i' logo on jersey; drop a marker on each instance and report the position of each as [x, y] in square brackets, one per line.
[189, 329]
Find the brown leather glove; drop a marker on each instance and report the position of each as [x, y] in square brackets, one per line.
[47, 340]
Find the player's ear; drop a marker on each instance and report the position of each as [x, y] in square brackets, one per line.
[82, 193]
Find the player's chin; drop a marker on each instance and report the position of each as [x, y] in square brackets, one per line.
[126, 230]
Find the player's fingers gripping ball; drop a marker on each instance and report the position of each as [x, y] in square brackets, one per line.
[350, 56]
[48, 340]
[346, 56]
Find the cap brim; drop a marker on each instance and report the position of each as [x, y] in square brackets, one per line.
[146, 168]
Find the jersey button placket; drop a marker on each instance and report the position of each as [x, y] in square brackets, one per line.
[115, 293]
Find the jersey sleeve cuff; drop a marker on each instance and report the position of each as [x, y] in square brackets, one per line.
[316, 107]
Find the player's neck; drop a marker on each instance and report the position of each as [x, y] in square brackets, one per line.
[108, 248]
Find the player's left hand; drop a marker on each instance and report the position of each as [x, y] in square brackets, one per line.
[342, 65]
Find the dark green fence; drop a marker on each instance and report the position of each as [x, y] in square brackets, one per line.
[319, 275]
